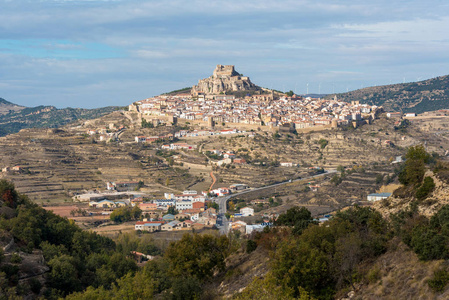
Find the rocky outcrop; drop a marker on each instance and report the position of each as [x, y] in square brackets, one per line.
[224, 79]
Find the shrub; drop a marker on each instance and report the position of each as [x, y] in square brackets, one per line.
[250, 246]
[16, 259]
[35, 285]
[425, 189]
[439, 280]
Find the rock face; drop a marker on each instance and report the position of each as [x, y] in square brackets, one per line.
[224, 79]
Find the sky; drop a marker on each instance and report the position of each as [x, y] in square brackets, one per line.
[95, 53]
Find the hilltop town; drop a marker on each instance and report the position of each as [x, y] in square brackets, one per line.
[214, 101]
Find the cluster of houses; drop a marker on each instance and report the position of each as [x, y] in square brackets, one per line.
[122, 186]
[190, 206]
[185, 220]
[109, 204]
[178, 146]
[107, 134]
[18, 169]
[297, 111]
[152, 139]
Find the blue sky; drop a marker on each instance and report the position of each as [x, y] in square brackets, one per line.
[73, 53]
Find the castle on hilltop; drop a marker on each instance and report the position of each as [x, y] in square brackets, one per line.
[224, 79]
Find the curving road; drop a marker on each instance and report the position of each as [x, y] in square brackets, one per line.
[223, 221]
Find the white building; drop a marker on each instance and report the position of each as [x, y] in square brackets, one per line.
[378, 196]
[182, 205]
[190, 192]
[247, 211]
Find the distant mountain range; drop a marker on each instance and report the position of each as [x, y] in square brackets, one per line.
[427, 95]
[14, 117]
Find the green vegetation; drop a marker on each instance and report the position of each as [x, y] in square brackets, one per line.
[322, 259]
[402, 127]
[425, 189]
[179, 274]
[125, 214]
[323, 143]
[418, 97]
[413, 172]
[77, 259]
[146, 124]
[298, 218]
[180, 91]
[94, 266]
[439, 281]
[48, 117]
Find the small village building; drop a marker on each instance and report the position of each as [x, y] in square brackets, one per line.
[239, 161]
[187, 224]
[247, 211]
[150, 226]
[184, 204]
[120, 204]
[221, 191]
[147, 206]
[102, 204]
[238, 187]
[378, 196]
[190, 192]
[254, 228]
[169, 226]
[259, 201]
[238, 225]
[164, 203]
[182, 216]
[168, 217]
[198, 205]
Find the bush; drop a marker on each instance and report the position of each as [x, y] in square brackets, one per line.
[425, 189]
[16, 259]
[323, 143]
[250, 246]
[439, 280]
[35, 285]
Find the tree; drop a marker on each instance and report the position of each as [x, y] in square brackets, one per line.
[425, 189]
[136, 212]
[8, 193]
[298, 217]
[63, 275]
[146, 124]
[379, 178]
[323, 143]
[172, 210]
[197, 255]
[250, 246]
[211, 204]
[120, 215]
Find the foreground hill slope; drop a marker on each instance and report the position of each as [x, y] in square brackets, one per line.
[427, 95]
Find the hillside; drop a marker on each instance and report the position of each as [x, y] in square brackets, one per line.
[418, 97]
[7, 107]
[13, 118]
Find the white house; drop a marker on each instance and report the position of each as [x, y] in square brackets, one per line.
[247, 211]
[185, 204]
[221, 191]
[378, 196]
[190, 192]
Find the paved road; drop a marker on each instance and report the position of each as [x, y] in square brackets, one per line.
[223, 221]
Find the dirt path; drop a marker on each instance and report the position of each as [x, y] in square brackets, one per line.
[213, 180]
